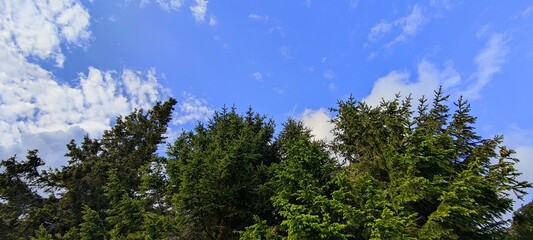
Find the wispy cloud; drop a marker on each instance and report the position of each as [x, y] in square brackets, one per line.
[285, 52]
[404, 27]
[272, 25]
[192, 109]
[199, 10]
[169, 5]
[527, 12]
[213, 21]
[379, 30]
[429, 78]
[329, 74]
[258, 76]
[257, 17]
[489, 61]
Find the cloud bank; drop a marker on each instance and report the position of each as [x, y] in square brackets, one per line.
[37, 110]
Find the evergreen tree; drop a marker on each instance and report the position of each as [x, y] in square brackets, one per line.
[125, 213]
[217, 172]
[303, 183]
[124, 150]
[425, 176]
[22, 208]
[92, 227]
[522, 225]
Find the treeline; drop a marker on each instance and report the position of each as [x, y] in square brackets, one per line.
[389, 173]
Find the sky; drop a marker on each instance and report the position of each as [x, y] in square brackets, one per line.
[69, 67]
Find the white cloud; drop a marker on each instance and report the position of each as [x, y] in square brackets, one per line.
[488, 62]
[379, 30]
[37, 28]
[319, 122]
[429, 79]
[526, 13]
[40, 104]
[279, 90]
[520, 139]
[285, 52]
[212, 20]
[329, 74]
[257, 17]
[170, 4]
[38, 111]
[525, 155]
[406, 27]
[167, 5]
[112, 18]
[199, 10]
[258, 76]
[192, 109]
[51, 145]
[41, 113]
[272, 25]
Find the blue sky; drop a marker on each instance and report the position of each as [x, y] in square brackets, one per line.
[68, 68]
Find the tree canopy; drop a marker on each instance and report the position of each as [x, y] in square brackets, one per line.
[392, 171]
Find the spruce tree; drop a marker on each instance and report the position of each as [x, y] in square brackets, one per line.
[217, 172]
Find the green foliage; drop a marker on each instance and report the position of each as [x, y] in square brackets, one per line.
[391, 172]
[217, 172]
[92, 226]
[42, 234]
[522, 225]
[427, 176]
[22, 209]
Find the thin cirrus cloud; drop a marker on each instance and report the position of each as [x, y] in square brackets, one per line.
[285, 52]
[37, 110]
[404, 27]
[489, 61]
[167, 5]
[272, 25]
[198, 9]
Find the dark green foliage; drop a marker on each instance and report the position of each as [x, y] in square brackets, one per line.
[390, 173]
[218, 171]
[522, 225]
[425, 176]
[92, 226]
[303, 182]
[22, 209]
